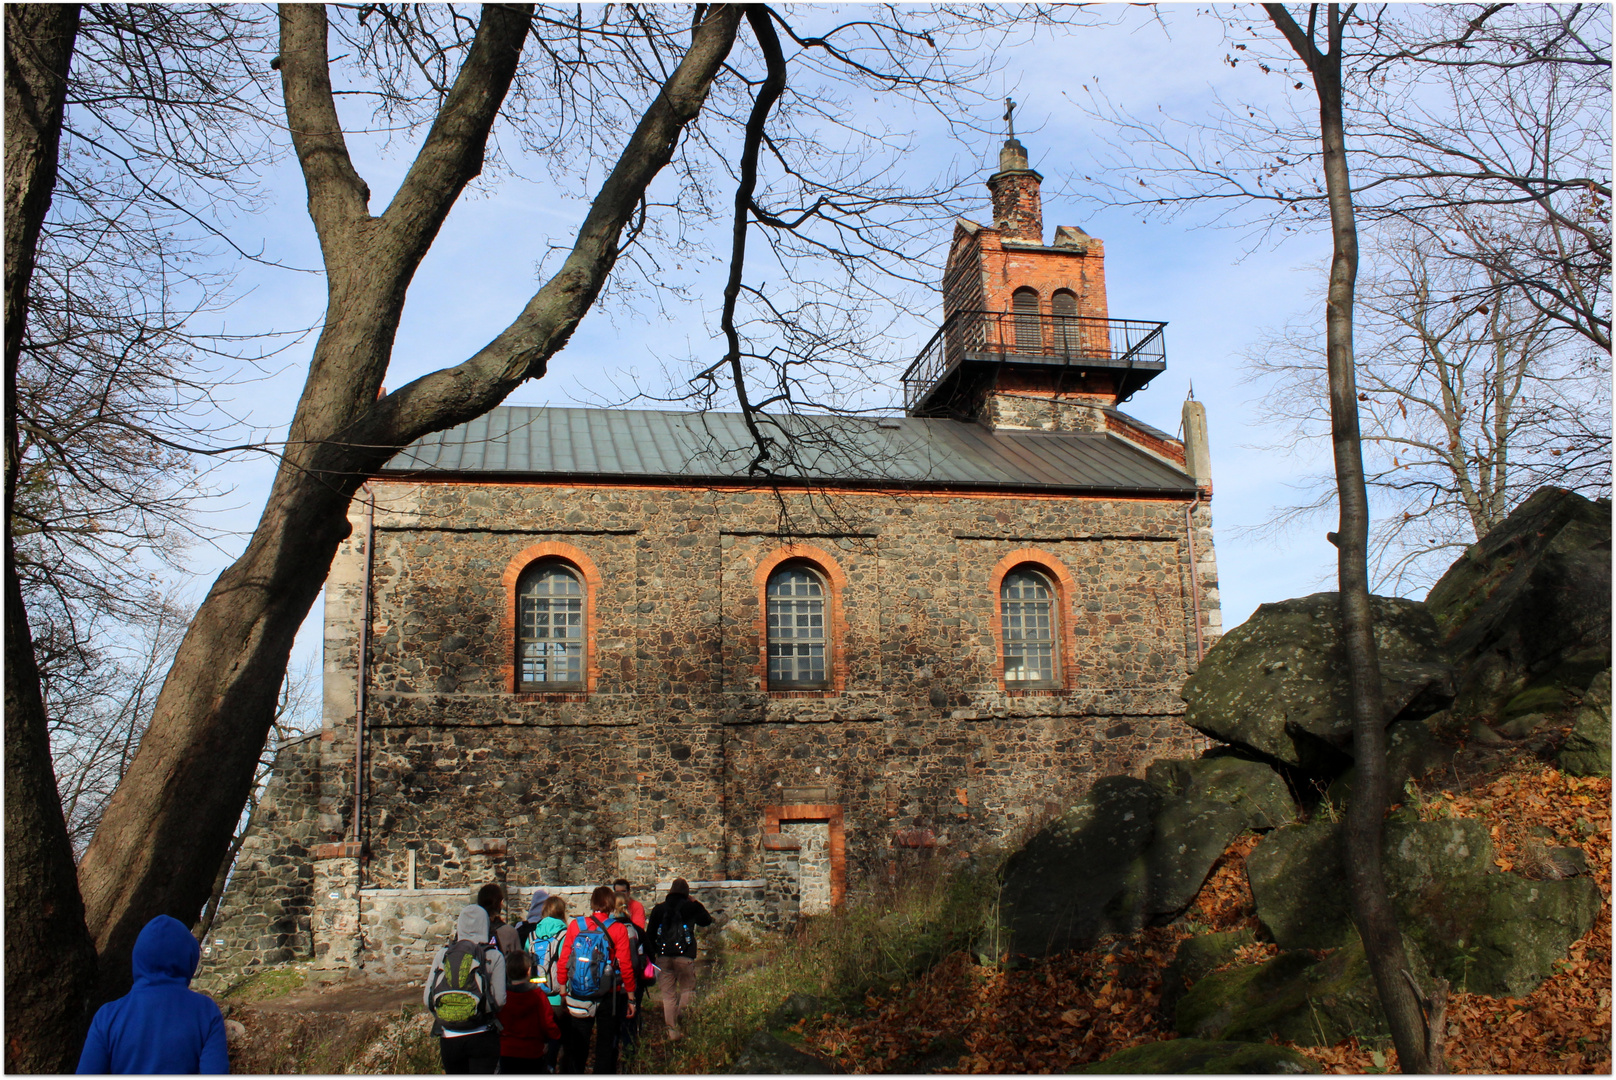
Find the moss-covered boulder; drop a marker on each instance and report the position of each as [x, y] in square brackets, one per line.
[1299, 883]
[1205, 803]
[1530, 597]
[1195, 1057]
[1081, 875]
[1490, 932]
[1587, 749]
[1277, 683]
[1413, 749]
[1496, 934]
[1194, 959]
[1229, 778]
[1294, 997]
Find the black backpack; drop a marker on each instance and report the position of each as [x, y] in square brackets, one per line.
[675, 936]
[461, 997]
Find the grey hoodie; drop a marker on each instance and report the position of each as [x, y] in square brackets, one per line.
[472, 925]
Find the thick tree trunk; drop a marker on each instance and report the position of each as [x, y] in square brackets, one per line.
[1377, 922]
[170, 822]
[50, 962]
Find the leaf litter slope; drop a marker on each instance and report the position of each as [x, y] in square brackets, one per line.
[1081, 1007]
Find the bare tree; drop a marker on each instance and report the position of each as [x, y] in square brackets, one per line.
[50, 962]
[625, 88]
[1472, 398]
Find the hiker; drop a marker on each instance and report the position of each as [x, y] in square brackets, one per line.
[528, 1021]
[597, 971]
[625, 892]
[491, 898]
[161, 1025]
[465, 989]
[628, 1032]
[672, 934]
[543, 947]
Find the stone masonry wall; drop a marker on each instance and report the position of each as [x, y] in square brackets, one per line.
[679, 745]
[264, 917]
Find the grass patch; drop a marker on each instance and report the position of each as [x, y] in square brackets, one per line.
[265, 984]
[874, 944]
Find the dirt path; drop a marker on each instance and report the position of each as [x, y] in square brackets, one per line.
[341, 998]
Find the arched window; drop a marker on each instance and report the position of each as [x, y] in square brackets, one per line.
[798, 653]
[1027, 611]
[1029, 335]
[550, 628]
[1063, 306]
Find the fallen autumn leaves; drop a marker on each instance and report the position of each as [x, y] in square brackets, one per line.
[1076, 1008]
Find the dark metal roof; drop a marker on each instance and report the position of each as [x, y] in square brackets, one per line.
[620, 444]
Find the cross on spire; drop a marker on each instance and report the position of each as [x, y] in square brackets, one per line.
[1009, 115]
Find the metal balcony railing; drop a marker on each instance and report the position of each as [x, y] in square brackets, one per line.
[1038, 339]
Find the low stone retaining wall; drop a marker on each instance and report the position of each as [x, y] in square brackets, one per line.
[392, 933]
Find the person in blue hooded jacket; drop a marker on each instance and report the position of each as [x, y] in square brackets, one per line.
[161, 1025]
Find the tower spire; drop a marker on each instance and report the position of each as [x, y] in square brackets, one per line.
[1018, 211]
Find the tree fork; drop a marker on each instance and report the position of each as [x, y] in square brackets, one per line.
[171, 821]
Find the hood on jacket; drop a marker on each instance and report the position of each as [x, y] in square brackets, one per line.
[536, 905]
[164, 952]
[472, 924]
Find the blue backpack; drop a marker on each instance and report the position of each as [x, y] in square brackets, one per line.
[591, 974]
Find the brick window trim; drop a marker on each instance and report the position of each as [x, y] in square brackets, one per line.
[774, 816]
[836, 582]
[577, 560]
[1065, 591]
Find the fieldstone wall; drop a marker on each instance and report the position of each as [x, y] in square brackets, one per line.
[664, 767]
[264, 917]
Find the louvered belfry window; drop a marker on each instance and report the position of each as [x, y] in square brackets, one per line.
[1063, 305]
[550, 628]
[796, 624]
[1027, 613]
[1029, 335]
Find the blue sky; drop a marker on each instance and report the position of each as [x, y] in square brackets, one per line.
[1215, 290]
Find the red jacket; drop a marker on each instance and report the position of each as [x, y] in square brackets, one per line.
[636, 913]
[528, 1021]
[617, 934]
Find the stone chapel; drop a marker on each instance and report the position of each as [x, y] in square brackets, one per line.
[565, 645]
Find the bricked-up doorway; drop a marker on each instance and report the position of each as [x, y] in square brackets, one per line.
[818, 828]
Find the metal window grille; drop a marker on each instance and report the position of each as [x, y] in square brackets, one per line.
[1027, 609]
[550, 627]
[796, 624]
[1029, 334]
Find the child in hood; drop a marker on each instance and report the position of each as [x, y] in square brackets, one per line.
[161, 1025]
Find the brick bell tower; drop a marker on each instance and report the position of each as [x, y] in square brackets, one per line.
[1027, 340]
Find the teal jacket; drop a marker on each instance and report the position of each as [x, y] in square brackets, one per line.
[547, 928]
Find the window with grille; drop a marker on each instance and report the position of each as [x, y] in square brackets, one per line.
[1029, 335]
[1063, 306]
[797, 631]
[1027, 615]
[550, 628]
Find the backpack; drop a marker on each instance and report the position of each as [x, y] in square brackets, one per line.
[675, 936]
[541, 959]
[460, 994]
[644, 972]
[591, 973]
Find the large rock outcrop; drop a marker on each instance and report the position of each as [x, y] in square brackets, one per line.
[1206, 802]
[1489, 932]
[1134, 853]
[1296, 997]
[1587, 749]
[1278, 683]
[1528, 604]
